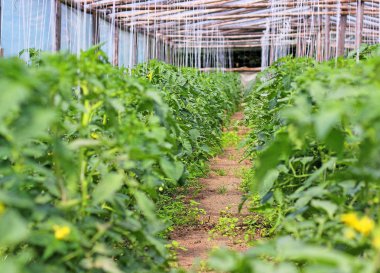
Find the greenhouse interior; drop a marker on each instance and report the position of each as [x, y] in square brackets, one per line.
[189, 136]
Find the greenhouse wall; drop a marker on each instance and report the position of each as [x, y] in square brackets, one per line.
[30, 24]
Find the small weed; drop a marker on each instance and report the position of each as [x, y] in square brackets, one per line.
[241, 172]
[220, 172]
[173, 248]
[203, 267]
[240, 229]
[192, 188]
[179, 212]
[199, 169]
[222, 190]
[230, 139]
[227, 225]
[247, 176]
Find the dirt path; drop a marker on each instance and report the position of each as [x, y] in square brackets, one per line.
[221, 190]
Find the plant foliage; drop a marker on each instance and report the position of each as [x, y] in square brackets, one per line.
[84, 149]
[316, 144]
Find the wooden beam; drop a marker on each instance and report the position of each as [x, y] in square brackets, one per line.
[57, 25]
[342, 25]
[203, 5]
[152, 19]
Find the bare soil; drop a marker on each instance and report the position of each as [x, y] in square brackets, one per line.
[197, 240]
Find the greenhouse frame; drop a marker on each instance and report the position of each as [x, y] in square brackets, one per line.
[192, 32]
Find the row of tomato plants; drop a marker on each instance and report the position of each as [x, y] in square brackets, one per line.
[85, 151]
[315, 146]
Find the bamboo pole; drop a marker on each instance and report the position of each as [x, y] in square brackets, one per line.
[359, 26]
[57, 25]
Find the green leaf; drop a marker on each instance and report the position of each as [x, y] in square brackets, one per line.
[107, 187]
[194, 134]
[325, 121]
[267, 183]
[172, 170]
[11, 96]
[146, 205]
[10, 266]
[13, 228]
[327, 206]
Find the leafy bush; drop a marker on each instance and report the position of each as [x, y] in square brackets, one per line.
[316, 144]
[200, 103]
[84, 151]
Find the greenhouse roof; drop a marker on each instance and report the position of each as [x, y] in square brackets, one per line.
[240, 23]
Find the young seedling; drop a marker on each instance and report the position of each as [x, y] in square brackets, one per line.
[222, 190]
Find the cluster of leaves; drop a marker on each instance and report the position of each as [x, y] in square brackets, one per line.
[200, 103]
[84, 151]
[316, 145]
[365, 51]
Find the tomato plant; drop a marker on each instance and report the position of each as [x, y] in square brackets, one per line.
[315, 144]
[84, 150]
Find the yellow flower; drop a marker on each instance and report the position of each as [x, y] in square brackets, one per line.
[350, 219]
[2, 208]
[365, 225]
[61, 232]
[94, 135]
[150, 76]
[349, 234]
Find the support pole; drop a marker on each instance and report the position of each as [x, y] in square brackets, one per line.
[327, 38]
[271, 54]
[135, 51]
[359, 26]
[298, 46]
[298, 40]
[319, 46]
[319, 56]
[58, 25]
[116, 37]
[95, 28]
[341, 35]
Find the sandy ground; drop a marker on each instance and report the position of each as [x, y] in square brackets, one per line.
[197, 240]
